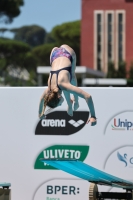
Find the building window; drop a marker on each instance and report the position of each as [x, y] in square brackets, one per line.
[110, 37]
[120, 37]
[99, 39]
[98, 32]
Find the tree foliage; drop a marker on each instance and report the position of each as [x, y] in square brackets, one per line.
[33, 35]
[131, 71]
[68, 33]
[9, 48]
[119, 73]
[3, 30]
[42, 54]
[19, 53]
[16, 55]
[9, 9]
[130, 75]
[111, 70]
[49, 39]
[12, 53]
[29, 61]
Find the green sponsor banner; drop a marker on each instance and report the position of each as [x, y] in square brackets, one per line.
[77, 152]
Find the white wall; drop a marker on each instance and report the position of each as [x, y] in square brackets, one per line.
[20, 147]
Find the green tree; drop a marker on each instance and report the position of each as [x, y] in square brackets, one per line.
[49, 39]
[111, 70]
[16, 56]
[130, 76]
[9, 9]
[13, 51]
[131, 71]
[68, 33]
[29, 62]
[121, 72]
[33, 35]
[2, 31]
[42, 54]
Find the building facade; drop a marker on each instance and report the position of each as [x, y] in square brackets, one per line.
[106, 33]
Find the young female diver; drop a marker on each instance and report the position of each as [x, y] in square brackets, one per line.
[62, 78]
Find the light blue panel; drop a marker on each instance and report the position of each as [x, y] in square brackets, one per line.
[5, 184]
[86, 172]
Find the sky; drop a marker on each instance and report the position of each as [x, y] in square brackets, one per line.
[45, 13]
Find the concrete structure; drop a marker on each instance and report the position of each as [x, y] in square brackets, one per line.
[104, 81]
[106, 33]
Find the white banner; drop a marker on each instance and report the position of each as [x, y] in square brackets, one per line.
[25, 139]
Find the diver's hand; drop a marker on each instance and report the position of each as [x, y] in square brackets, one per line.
[92, 121]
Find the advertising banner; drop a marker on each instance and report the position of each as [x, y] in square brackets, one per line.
[25, 139]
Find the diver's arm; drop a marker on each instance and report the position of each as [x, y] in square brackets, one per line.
[74, 78]
[81, 93]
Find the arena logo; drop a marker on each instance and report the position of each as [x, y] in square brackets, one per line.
[53, 123]
[77, 152]
[60, 123]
